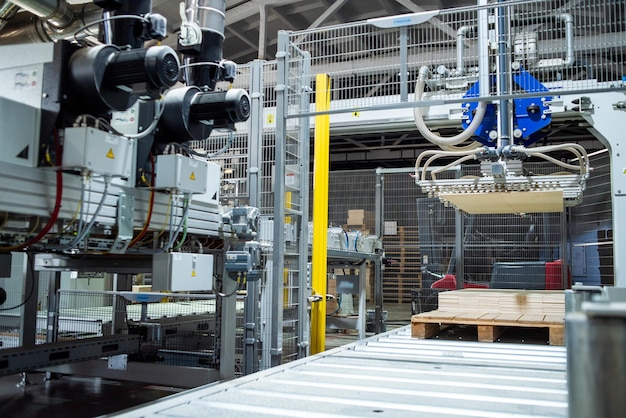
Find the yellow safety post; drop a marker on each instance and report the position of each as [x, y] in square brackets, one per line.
[320, 213]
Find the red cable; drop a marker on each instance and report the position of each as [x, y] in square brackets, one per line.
[147, 223]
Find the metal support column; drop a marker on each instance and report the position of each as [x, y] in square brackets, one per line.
[255, 142]
[227, 326]
[378, 267]
[505, 116]
[54, 283]
[404, 64]
[459, 248]
[304, 331]
[30, 292]
[278, 255]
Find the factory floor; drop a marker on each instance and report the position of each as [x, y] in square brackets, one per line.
[76, 397]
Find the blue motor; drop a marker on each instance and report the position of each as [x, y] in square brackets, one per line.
[531, 115]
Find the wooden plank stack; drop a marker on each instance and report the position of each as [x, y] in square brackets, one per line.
[491, 311]
[404, 273]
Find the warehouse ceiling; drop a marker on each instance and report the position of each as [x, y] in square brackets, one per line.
[252, 25]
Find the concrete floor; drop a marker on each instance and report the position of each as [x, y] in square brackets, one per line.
[72, 396]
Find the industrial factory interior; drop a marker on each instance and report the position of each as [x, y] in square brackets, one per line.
[312, 208]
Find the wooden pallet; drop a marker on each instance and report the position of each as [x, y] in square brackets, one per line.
[489, 325]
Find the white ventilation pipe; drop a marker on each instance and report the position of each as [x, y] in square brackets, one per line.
[424, 72]
[569, 37]
[460, 48]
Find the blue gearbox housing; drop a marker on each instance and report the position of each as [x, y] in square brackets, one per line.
[531, 114]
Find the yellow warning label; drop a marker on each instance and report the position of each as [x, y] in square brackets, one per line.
[270, 118]
[193, 273]
[110, 154]
[356, 114]
[192, 176]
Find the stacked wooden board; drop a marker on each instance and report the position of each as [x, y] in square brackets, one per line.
[491, 311]
[404, 273]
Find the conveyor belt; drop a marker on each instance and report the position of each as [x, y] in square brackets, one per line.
[390, 375]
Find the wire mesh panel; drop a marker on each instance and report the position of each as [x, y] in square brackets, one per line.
[175, 329]
[539, 47]
[268, 145]
[352, 193]
[401, 238]
[591, 228]
[294, 134]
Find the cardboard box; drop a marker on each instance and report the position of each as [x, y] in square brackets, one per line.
[142, 288]
[361, 217]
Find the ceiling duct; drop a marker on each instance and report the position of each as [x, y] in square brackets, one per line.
[55, 12]
[26, 28]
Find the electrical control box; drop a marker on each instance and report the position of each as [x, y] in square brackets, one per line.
[213, 181]
[22, 101]
[185, 174]
[182, 272]
[98, 151]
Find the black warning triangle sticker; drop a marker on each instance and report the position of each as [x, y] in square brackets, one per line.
[23, 153]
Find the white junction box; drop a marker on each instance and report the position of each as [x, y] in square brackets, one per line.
[182, 272]
[188, 175]
[98, 151]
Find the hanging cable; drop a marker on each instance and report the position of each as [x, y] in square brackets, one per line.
[29, 273]
[146, 224]
[167, 216]
[173, 233]
[85, 232]
[424, 72]
[183, 238]
[237, 288]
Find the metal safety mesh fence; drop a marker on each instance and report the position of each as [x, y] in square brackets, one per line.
[566, 46]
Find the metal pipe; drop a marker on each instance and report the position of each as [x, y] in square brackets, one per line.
[55, 12]
[483, 49]
[108, 28]
[7, 12]
[460, 48]
[404, 63]
[210, 16]
[569, 36]
[24, 28]
[504, 118]
[262, 30]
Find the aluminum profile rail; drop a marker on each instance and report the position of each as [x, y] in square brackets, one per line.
[390, 375]
[20, 359]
